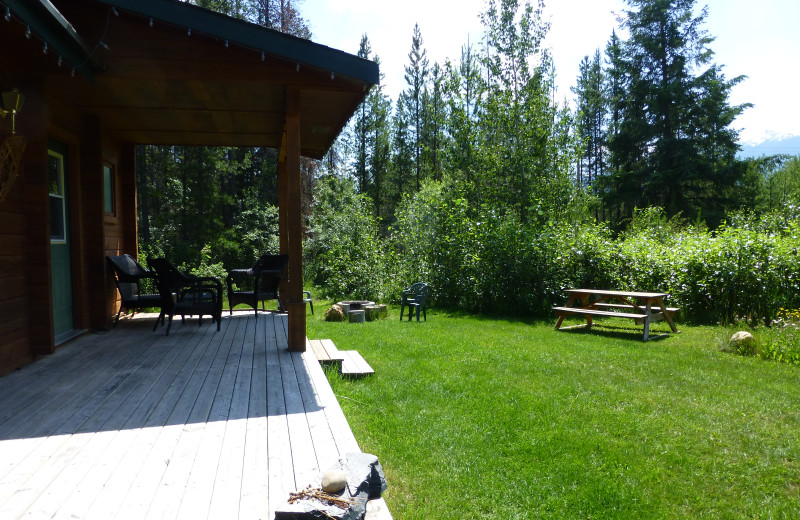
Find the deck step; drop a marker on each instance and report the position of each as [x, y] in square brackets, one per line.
[350, 362]
[354, 365]
[326, 352]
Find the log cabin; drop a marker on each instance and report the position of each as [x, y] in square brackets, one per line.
[86, 81]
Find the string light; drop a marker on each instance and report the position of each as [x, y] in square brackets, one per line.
[298, 66]
[226, 44]
[44, 48]
[263, 56]
[189, 31]
[8, 14]
[28, 32]
[60, 60]
[151, 21]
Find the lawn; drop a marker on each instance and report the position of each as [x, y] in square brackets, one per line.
[476, 417]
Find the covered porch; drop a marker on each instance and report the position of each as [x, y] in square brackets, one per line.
[199, 424]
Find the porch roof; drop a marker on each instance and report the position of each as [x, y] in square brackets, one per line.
[168, 72]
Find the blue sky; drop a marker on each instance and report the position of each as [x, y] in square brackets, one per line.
[758, 39]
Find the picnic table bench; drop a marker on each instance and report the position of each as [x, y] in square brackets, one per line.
[642, 307]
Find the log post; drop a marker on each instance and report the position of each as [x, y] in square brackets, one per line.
[291, 234]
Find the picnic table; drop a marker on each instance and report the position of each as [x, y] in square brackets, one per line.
[642, 307]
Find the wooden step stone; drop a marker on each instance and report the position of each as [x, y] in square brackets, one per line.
[349, 362]
[354, 365]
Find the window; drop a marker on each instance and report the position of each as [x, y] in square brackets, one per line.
[108, 189]
[58, 217]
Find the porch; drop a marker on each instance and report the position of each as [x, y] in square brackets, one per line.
[199, 424]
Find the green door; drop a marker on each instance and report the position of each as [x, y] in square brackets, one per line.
[59, 244]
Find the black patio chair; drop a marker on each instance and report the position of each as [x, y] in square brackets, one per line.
[258, 283]
[415, 296]
[186, 295]
[129, 276]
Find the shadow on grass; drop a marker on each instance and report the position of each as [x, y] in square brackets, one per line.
[614, 331]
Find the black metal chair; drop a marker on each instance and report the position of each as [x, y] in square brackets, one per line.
[415, 296]
[257, 284]
[129, 275]
[186, 294]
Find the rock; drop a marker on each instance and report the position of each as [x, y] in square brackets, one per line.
[375, 312]
[356, 316]
[334, 314]
[364, 481]
[334, 481]
[742, 343]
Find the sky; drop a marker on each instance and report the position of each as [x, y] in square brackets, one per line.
[757, 39]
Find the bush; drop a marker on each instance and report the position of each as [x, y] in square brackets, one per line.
[344, 254]
[782, 338]
[485, 259]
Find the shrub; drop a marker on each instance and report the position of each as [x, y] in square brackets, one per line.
[782, 338]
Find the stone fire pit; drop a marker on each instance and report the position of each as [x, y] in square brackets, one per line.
[364, 310]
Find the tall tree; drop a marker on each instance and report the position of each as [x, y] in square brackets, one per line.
[416, 75]
[591, 118]
[463, 92]
[362, 130]
[525, 145]
[434, 123]
[675, 102]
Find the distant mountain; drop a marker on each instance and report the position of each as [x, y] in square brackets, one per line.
[775, 146]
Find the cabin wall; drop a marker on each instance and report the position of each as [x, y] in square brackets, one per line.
[26, 318]
[14, 339]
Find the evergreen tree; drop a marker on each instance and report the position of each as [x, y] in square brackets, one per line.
[463, 94]
[591, 119]
[416, 76]
[362, 131]
[672, 145]
[434, 122]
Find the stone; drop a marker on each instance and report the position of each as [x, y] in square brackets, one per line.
[376, 312]
[364, 481]
[356, 316]
[334, 481]
[334, 314]
[742, 343]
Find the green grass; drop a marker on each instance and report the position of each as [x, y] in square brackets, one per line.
[486, 418]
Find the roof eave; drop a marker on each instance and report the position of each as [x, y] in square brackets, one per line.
[48, 24]
[235, 31]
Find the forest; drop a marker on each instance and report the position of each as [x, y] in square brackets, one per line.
[479, 181]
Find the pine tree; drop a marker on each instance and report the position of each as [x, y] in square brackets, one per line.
[672, 91]
[416, 75]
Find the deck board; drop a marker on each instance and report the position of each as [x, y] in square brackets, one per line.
[198, 424]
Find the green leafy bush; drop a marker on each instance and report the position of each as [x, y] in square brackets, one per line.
[344, 255]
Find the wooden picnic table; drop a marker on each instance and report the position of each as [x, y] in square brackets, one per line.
[642, 307]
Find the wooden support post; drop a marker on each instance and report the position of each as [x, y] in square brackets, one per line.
[37, 225]
[291, 222]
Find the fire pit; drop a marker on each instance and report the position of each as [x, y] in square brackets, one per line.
[365, 310]
[353, 305]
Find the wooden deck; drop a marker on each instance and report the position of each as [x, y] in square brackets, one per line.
[200, 424]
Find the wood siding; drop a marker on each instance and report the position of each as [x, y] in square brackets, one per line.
[14, 345]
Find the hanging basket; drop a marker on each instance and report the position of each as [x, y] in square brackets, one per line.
[10, 160]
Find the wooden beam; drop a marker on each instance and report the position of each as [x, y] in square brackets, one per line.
[290, 156]
[37, 224]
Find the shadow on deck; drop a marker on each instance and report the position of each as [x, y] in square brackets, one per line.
[200, 424]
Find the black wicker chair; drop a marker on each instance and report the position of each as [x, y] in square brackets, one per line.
[129, 275]
[186, 294]
[257, 284]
